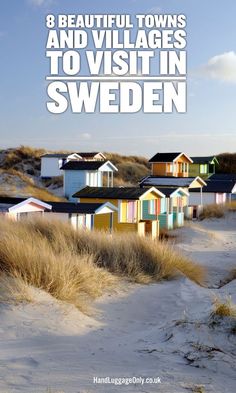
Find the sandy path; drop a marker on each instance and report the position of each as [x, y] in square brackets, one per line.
[213, 244]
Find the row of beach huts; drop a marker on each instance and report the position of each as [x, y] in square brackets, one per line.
[177, 189]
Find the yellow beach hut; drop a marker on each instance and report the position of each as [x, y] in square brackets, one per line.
[138, 208]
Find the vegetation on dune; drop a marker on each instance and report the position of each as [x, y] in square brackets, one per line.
[16, 157]
[212, 211]
[130, 173]
[76, 266]
[16, 183]
[26, 161]
[14, 288]
[217, 211]
[28, 256]
[223, 309]
[130, 168]
[53, 182]
[42, 194]
[198, 389]
[18, 167]
[119, 159]
[227, 163]
[231, 206]
[125, 254]
[24, 158]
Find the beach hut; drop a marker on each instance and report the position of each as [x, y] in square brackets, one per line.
[203, 166]
[170, 164]
[194, 207]
[78, 174]
[81, 215]
[173, 213]
[51, 163]
[19, 208]
[138, 208]
[216, 192]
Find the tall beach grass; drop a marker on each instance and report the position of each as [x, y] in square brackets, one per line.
[223, 308]
[76, 265]
[217, 210]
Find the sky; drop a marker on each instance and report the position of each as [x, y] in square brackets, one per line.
[208, 127]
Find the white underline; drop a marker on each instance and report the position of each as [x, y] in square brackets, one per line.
[100, 78]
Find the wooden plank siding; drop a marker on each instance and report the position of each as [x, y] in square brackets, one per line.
[166, 221]
[178, 219]
[159, 169]
[102, 222]
[171, 168]
[146, 214]
[130, 214]
[203, 170]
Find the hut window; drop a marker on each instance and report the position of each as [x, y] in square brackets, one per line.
[92, 179]
[179, 201]
[152, 207]
[203, 168]
[185, 167]
[131, 211]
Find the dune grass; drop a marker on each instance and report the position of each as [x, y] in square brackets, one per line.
[28, 256]
[24, 186]
[126, 254]
[217, 211]
[227, 162]
[212, 211]
[130, 168]
[15, 158]
[41, 193]
[231, 206]
[14, 289]
[77, 266]
[224, 308]
[198, 389]
[26, 159]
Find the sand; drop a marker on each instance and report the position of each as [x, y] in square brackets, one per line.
[159, 331]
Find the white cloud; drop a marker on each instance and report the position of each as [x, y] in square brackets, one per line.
[85, 136]
[39, 3]
[221, 67]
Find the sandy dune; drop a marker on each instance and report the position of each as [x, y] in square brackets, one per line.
[159, 330]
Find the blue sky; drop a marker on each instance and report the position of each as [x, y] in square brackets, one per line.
[209, 126]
